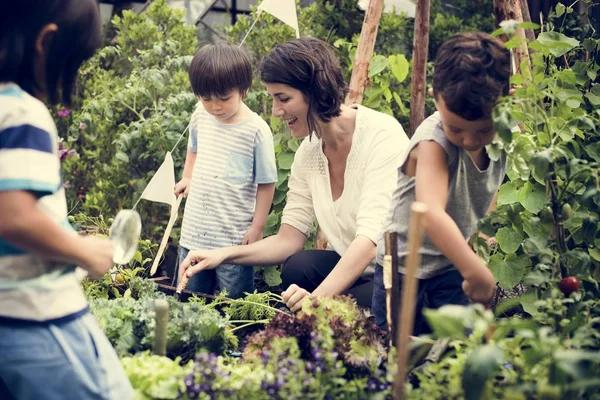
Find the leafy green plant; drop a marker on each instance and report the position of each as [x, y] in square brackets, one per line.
[129, 325]
[507, 359]
[329, 350]
[546, 224]
[132, 105]
[155, 377]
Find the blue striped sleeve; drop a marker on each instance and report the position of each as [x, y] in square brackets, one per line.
[28, 160]
[26, 137]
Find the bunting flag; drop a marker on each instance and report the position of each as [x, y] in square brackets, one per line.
[160, 190]
[283, 10]
[160, 187]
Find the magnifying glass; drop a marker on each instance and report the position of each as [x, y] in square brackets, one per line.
[125, 234]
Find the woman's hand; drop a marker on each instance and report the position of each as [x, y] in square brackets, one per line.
[294, 296]
[200, 260]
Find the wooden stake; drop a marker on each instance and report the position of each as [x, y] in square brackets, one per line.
[387, 284]
[507, 10]
[419, 72]
[409, 291]
[161, 309]
[165, 239]
[390, 280]
[364, 52]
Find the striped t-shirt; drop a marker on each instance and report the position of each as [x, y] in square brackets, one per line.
[31, 287]
[231, 160]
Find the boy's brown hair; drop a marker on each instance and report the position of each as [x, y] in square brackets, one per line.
[472, 70]
[217, 69]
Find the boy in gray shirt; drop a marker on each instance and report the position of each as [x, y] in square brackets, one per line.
[447, 168]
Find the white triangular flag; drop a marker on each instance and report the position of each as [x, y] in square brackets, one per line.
[284, 10]
[160, 188]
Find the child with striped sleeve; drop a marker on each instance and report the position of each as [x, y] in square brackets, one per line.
[51, 346]
[230, 173]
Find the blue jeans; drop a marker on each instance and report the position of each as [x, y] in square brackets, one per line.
[236, 279]
[432, 293]
[60, 361]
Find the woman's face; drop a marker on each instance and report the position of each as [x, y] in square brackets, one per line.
[289, 104]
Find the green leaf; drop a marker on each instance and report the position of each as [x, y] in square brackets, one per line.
[508, 193]
[272, 276]
[560, 9]
[593, 151]
[508, 240]
[450, 320]
[480, 366]
[399, 66]
[554, 43]
[122, 157]
[528, 302]
[594, 253]
[285, 160]
[508, 271]
[378, 64]
[533, 197]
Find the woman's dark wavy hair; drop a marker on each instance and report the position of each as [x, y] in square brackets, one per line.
[308, 65]
[472, 70]
[78, 37]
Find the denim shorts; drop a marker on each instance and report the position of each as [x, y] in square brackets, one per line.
[60, 361]
[236, 279]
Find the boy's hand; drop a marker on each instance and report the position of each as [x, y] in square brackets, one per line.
[294, 296]
[183, 186]
[252, 235]
[98, 255]
[480, 287]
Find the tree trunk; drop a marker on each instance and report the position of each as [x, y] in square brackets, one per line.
[511, 10]
[419, 72]
[529, 34]
[364, 52]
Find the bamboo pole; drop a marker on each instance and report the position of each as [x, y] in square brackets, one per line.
[511, 10]
[409, 291]
[364, 52]
[419, 71]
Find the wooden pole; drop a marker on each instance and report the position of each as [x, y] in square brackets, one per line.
[511, 10]
[387, 284]
[165, 239]
[529, 34]
[419, 72]
[392, 289]
[364, 52]
[161, 309]
[409, 292]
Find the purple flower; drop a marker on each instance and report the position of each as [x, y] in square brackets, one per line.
[64, 112]
[82, 125]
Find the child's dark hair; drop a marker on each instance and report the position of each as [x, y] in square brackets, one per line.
[472, 70]
[220, 68]
[308, 65]
[77, 38]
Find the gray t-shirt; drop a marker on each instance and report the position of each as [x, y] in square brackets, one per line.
[470, 193]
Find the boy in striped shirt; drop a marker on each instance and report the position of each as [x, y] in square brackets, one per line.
[230, 172]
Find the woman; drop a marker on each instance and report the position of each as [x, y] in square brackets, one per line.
[344, 178]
